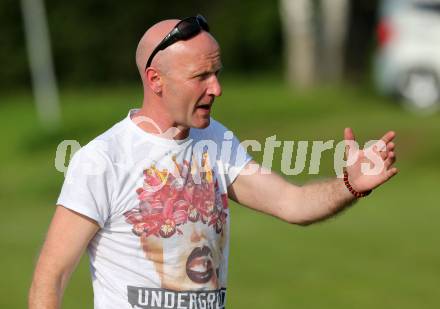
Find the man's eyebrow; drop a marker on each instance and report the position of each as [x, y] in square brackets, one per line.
[207, 71]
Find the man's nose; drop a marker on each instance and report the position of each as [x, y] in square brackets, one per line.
[215, 88]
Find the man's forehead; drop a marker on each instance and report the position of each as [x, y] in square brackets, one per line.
[208, 61]
[199, 53]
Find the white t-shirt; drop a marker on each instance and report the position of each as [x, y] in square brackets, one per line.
[163, 211]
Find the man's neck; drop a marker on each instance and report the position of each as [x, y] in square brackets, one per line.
[155, 123]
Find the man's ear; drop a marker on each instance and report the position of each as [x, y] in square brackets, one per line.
[153, 79]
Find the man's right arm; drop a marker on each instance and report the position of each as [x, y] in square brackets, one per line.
[68, 236]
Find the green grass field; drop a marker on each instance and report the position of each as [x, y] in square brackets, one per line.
[382, 253]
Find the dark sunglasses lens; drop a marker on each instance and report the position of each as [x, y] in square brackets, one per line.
[203, 22]
[188, 28]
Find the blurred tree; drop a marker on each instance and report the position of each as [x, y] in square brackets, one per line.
[314, 33]
[300, 41]
[94, 41]
[360, 39]
[40, 58]
[334, 28]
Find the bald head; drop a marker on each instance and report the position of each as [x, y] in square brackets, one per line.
[182, 82]
[151, 38]
[154, 35]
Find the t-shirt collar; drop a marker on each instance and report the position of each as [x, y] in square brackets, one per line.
[155, 138]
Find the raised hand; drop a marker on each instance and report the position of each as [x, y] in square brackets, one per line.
[372, 166]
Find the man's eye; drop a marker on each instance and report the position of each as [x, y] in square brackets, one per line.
[203, 76]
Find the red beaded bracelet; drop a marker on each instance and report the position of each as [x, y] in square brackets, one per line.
[353, 191]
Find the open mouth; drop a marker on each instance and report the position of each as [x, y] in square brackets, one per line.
[199, 265]
[205, 107]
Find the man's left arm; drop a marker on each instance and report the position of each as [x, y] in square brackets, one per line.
[271, 194]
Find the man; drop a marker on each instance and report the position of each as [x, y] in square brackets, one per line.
[152, 207]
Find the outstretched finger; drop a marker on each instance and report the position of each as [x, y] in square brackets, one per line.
[390, 146]
[350, 142]
[383, 150]
[391, 172]
[349, 135]
[390, 159]
[388, 137]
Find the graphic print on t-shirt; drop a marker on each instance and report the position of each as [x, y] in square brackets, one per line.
[180, 221]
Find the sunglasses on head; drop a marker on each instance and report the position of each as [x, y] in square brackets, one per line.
[184, 30]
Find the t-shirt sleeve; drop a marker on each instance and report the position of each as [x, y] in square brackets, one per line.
[233, 155]
[88, 184]
[239, 159]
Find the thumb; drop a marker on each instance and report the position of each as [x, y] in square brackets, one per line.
[351, 147]
[348, 134]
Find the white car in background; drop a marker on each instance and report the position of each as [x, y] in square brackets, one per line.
[408, 58]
